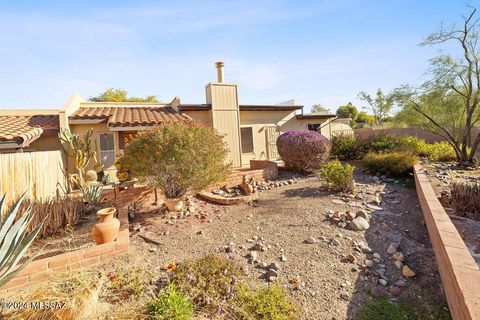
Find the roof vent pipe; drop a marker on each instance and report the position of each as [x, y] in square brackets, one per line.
[219, 65]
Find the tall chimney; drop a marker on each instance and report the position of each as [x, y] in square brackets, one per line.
[219, 65]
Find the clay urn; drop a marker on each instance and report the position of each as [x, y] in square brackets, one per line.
[106, 229]
[174, 204]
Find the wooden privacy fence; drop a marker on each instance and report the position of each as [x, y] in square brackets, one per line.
[37, 173]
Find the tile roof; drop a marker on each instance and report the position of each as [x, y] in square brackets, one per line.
[117, 116]
[26, 129]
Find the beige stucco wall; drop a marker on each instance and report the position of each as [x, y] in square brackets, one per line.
[286, 121]
[45, 143]
[200, 116]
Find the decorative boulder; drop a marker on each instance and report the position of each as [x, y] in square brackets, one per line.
[359, 224]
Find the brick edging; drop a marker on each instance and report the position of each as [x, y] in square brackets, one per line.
[42, 269]
[458, 270]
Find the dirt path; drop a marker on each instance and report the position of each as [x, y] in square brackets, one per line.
[331, 287]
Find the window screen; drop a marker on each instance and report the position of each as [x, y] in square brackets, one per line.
[247, 139]
[107, 149]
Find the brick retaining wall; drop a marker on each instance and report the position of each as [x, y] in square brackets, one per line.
[458, 270]
[42, 269]
[260, 170]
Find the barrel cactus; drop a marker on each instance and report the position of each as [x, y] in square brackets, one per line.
[14, 240]
[303, 150]
[91, 176]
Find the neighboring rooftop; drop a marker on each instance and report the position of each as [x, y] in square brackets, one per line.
[243, 107]
[316, 116]
[21, 130]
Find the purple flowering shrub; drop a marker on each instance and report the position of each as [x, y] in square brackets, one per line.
[303, 150]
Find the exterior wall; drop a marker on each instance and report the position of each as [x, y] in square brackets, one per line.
[225, 116]
[259, 120]
[259, 171]
[45, 143]
[202, 116]
[98, 128]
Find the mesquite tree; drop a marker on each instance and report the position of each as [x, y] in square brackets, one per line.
[448, 102]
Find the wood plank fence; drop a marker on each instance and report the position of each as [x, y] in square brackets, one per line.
[38, 173]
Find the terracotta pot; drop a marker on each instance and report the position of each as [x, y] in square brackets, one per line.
[106, 229]
[174, 204]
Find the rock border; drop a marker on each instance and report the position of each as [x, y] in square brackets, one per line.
[459, 272]
[218, 199]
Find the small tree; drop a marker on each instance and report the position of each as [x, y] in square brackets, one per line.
[177, 157]
[448, 103]
[348, 111]
[120, 95]
[318, 108]
[365, 118]
[381, 106]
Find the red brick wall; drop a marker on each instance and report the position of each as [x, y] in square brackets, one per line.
[270, 168]
[458, 270]
[260, 170]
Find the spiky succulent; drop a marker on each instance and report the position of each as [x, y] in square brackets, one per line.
[14, 240]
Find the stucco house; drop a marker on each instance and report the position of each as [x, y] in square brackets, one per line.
[250, 130]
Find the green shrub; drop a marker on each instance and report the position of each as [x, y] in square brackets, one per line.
[208, 281]
[412, 145]
[381, 143]
[171, 304]
[391, 164]
[440, 151]
[338, 176]
[265, 303]
[179, 156]
[347, 147]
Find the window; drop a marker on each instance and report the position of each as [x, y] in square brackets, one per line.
[247, 139]
[107, 149]
[314, 127]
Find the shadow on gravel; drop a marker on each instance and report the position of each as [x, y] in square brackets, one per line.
[305, 192]
[400, 221]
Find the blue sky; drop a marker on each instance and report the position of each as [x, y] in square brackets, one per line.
[323, 51]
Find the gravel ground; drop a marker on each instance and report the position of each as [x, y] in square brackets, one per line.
[282, 221]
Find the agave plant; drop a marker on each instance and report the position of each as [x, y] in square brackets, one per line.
[14, 240]
[92, 193]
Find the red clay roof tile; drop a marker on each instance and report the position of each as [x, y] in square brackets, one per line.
[130, 116]
[25, 129]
